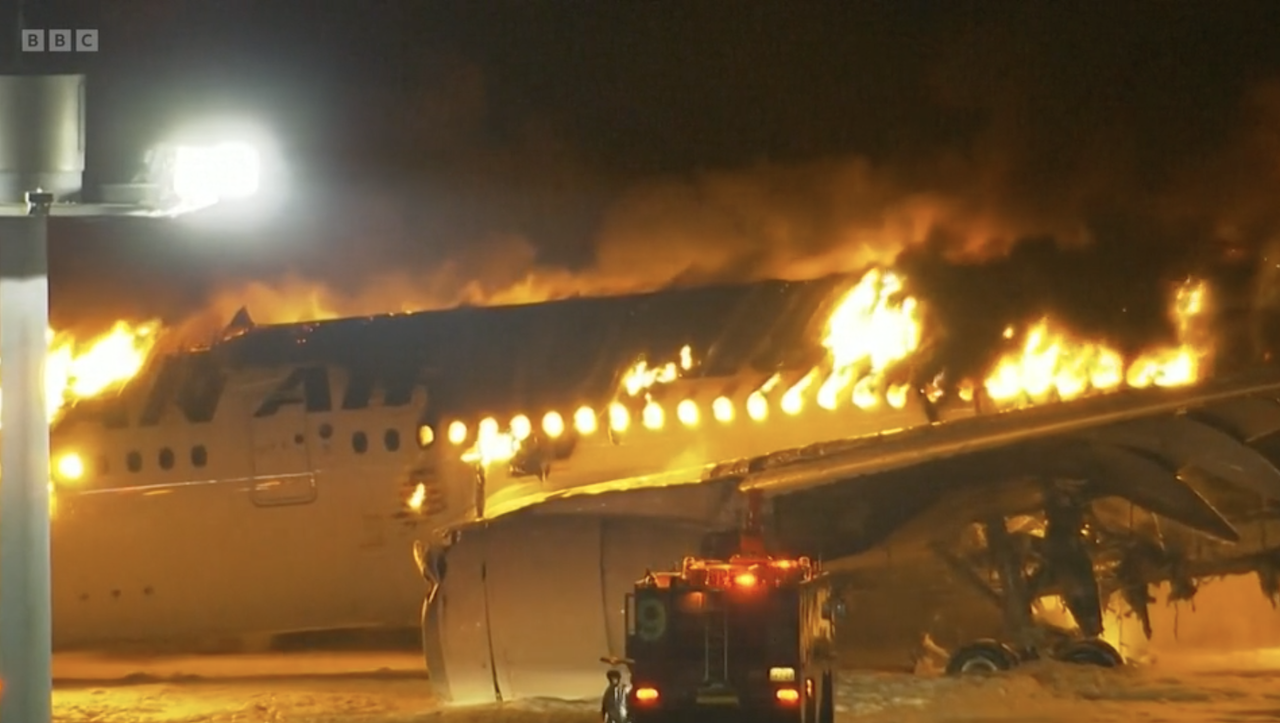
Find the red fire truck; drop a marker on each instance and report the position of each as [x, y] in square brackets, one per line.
[746, 638]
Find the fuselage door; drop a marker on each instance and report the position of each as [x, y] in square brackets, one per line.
[281, 459]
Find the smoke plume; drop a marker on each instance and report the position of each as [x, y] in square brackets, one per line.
[1009, 172]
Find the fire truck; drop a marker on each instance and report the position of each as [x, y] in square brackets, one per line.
[750, 637]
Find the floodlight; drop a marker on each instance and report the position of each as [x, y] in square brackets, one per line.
[42, 149]
[192, 177]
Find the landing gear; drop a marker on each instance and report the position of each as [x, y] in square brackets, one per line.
[1028, 569]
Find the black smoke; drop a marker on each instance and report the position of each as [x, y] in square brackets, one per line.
[1014, 159]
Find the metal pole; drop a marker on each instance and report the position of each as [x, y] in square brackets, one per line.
[26, 634]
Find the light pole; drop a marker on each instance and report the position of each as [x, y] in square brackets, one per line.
[42, 153]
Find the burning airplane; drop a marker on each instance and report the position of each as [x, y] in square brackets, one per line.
[538, 458]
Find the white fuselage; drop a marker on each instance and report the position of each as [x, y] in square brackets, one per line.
[249, 524]
[282, 528]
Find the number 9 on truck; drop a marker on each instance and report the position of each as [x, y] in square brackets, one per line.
[651, 619]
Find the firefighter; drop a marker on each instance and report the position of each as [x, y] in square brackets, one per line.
[613, 705]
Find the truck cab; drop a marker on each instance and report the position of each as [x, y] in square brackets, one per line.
[747, 638]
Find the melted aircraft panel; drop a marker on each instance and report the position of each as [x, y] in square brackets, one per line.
[540, 355]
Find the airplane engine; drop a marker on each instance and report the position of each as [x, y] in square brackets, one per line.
[528, 605]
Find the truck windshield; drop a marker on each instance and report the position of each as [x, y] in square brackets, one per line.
[761, 625]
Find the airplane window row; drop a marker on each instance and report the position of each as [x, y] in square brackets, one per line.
[166, 459]
[200, 455]
[390, 440]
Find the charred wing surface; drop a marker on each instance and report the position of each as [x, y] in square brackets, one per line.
[1152, 460]
[531, 602]
[1182, 442]
[1168, 492]
[1247, 419]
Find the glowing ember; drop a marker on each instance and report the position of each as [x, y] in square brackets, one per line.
[418, 497]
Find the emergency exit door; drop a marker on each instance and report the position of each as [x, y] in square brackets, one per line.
[281, 458]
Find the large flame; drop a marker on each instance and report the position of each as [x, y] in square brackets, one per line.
[1053, 363]
[873, 327]
[76, 369]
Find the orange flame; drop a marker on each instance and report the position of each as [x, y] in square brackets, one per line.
[1053, 363]
[80, 370]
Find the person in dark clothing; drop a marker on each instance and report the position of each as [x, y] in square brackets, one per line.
[613, 706]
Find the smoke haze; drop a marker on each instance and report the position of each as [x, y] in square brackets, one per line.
[1012, 164]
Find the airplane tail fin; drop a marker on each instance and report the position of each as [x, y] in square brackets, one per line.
[240, 323]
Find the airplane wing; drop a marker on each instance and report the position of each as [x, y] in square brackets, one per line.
[1178, 485]
[1233, 403]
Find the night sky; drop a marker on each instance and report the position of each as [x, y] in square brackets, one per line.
[1025, 156]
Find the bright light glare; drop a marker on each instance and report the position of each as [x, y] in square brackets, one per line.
[70, 467]
[203, 176]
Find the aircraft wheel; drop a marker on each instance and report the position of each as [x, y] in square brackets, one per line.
[981, 657]
[1090, 651]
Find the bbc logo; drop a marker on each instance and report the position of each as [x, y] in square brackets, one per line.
[60, 41]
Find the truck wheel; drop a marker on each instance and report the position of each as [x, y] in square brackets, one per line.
[981, 657]
[827, 701]
[1090, 651]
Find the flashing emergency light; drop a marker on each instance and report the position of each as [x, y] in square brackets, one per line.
[647, 695]
[788, 696]
[745, 579]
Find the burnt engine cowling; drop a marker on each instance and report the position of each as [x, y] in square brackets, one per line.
[529, 604]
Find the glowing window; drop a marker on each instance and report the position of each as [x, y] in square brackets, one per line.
[426, 436]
